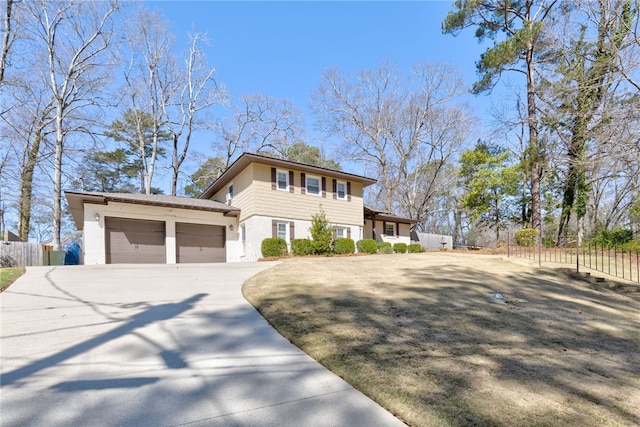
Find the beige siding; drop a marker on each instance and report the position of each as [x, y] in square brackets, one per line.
[253, 195]
[284, 204]
[242, 193]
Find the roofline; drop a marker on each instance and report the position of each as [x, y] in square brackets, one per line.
[247, 158]
[78, 199]
[384, 216]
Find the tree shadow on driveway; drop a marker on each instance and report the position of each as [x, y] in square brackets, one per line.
[150, 315]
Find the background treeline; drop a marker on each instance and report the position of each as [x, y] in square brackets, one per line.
[98, 96]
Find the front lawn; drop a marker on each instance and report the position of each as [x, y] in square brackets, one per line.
[420, 334]
[9, 275]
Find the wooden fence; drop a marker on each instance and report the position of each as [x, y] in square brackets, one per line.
[20, 254]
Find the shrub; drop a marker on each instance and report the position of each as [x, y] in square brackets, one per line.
[343, 245]
[632, 246]
[301, 247]
[415, 248]
[273, 247]
[382, 245]
[400, 248]
[367, 246]
[321, 234]
[527, 237]
[385, 249]
[615, 238]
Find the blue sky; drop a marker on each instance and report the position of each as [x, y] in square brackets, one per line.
[282, 48]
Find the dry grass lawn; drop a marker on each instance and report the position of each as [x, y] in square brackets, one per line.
[419, 334]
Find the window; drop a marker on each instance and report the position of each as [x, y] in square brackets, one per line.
[282, 230]
[389, 229]
[229, 193]
[313, 185]
[283, 180]
[341, 232]
[341, 190]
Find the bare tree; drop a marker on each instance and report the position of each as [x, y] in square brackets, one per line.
[407, 129]
[8, 36]
[259, 124]
[194, 91]
[150, 80]
[76, 37]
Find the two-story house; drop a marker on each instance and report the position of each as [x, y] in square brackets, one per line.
[255, 198]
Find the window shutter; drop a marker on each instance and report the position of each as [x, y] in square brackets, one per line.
[303, 183]
[397, 229]
[274, 185]
[292, 229]
[291, 187]
[348, 191]
[335, 189]
[274, 228]
[348, 232]
[324, 187]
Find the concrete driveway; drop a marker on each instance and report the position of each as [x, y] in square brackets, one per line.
[165, 345]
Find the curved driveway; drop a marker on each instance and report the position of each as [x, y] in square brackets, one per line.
[162, 345]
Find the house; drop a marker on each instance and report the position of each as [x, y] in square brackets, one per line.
[255, 198]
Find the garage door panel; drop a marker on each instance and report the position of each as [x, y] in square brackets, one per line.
[133, 241]
[200, 243]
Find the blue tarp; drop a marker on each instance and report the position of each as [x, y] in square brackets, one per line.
[72, 255]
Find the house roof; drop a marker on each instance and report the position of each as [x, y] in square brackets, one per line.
[386, 216]
[247, 158]
[78, 199]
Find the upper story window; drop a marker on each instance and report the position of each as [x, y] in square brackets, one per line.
[283, 180]
[341, 190]
[229, 196]
[389, 228]
[313, 185]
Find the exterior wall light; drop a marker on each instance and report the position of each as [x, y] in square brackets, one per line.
[231, 227]
[97, 216]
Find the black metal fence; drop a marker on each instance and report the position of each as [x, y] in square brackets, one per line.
[609, 260]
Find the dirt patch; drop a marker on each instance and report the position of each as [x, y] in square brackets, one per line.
[420, 334]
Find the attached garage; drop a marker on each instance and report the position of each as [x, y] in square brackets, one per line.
[200, 243]
[134, 241]
[128, 228]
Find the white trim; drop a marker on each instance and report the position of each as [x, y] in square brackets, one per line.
[286, 179]
[306, 185]
[338, 183]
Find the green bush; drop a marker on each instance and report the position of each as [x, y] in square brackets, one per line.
[632, 246]
[400, 248]
[415, 248]
[273, 247]
[382, 245]
[614, 239]
[321, 234]
[343, 245]
[527, 237]
[367, 246]
[301, 247]
[385, 249]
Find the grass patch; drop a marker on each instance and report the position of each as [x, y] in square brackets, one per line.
[9, 275]
[419, 334]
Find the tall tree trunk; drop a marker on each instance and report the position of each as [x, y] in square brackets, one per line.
[6, 39]
[26, 188]
[57, 177]
[535, 148]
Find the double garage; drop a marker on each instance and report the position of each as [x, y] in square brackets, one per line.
[135, 241]
[154, 229]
